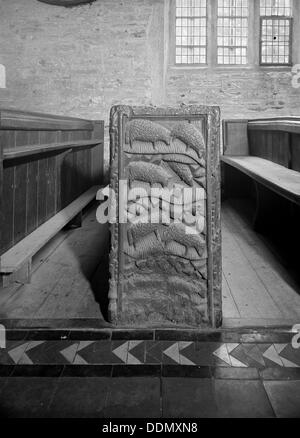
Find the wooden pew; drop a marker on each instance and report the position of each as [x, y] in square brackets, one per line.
[50, 169]
[261, 159]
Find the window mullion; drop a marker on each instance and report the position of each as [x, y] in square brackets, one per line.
[212, 33]
[254, 36]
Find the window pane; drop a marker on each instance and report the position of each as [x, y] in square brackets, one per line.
[191, 31]
[275, 40]
[276, 31]
[232, 30]
[276, 7]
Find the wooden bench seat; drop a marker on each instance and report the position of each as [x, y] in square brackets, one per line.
[15, 264]
[261, 163]
[275, 177]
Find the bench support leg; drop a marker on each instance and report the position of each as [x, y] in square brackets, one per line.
[22, 275]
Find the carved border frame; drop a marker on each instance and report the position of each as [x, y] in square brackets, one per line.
[118, 116]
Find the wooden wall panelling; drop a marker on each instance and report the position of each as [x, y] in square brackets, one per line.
[14, 119]
[48, 138]
[59, 161]
[81, 159]
[258, 144]
[270, 145]
[235, 140]
[66, 172]
[37, 186]
[20, 190]
[8, 138]
[280, 148]
[295, 152]
[97, 154]
[75, 171]
[32, 187]
[253, 139]
[1, 190]
[42, 186]
[87, 163]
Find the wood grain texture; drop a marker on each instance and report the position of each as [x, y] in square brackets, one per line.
[235, 137]
[8, 139]
[63, 280]
[36, 149]
[284, 124]
[75, 254]
[97, 157]
[23, 120]
[270, 145]
[46, 163]
[279, 293]
[24, 250]
[295, 152]
[275, 177]
[1, 189]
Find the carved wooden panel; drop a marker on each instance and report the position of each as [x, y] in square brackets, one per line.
[165, 260]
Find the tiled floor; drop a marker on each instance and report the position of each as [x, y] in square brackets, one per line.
[147, 397]
[215, 374]
[266, 353]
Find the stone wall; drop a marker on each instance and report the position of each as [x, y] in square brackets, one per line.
[83, 60]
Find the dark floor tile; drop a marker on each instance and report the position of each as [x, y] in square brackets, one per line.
[191, 371]
[13, 352]
[170, 352]
[37, 370]
[256, 336]
[188, 398]
[6, 370]
[87, 371]
[78, 397]
[26, 397]
[250, 354]
[50, 352]
[137, 397]
[90, 335]
[233, 373]
[284, 397]
[136, 370]
[201, 353]
[132, 335]
[15, 323]
[242, 398]
[16, 335]
[186, 335]
[153, 352]
[271, 337]
[47, 335]
[136, 352]
[280, 373]
[96, 352]
[231, 336]
[291, 354]
[210, 337]
[3, 381]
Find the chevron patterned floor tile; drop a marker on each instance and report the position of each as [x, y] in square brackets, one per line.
[138, 352]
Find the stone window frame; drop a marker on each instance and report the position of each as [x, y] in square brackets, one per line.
[253, 39]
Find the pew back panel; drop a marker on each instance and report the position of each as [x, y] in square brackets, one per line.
[46, 163]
